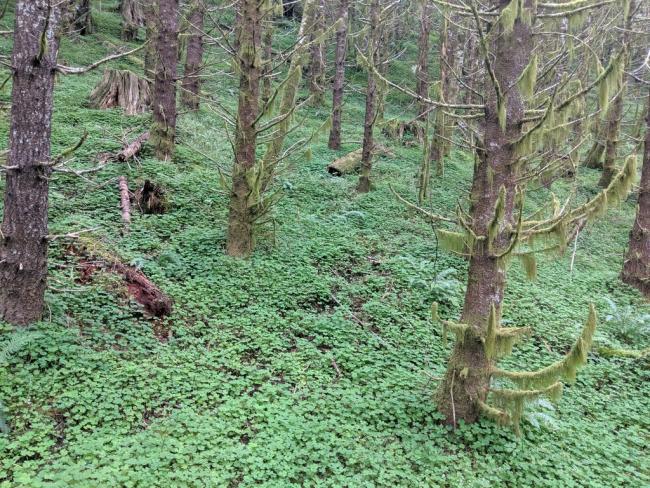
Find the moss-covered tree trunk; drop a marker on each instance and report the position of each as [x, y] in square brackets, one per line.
[163, 132]
[240, 222]
[612, 134]
[317, 64]
[339, 76]
[371, 100]
[23, 251]
[467, 379]
[191, 88]
[149, 13]
[267, 48]
[636, 269]
[422, 70]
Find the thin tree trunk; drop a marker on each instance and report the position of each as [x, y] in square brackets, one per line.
[240, 222]
[422, 70]
[371, 101]
[467, 378]
[150, 22]
[636, 269]
[339, 76]
[194, 58]
[23, 253]
[268, 55]
[163, 132]
[317, 65]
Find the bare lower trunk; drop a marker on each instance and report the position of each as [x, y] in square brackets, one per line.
[240, 222]
[422, 70]
[23, 255]
[467, 379]
[194, 58]
[371, 102]
[163, 133]
[339, 77]
[636, 269]
[83, 21]
[149, 13]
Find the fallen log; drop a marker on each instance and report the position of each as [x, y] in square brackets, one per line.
[133, 148]
[121, 89]
[125, 200]
[352, 161]
[138, 286]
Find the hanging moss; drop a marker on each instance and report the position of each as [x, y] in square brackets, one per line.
[502, 114]
[508, 16]
[529, 263]
[491, 333]
[456, 242]
[528, 79]
[564, 369]
[497, 220]
[513, 401]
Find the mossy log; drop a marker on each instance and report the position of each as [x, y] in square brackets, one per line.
[352, 161]
[122, 89]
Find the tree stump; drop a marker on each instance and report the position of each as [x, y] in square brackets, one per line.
[151, 198]
[122, 89]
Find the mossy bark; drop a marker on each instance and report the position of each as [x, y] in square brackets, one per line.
[191, 87]
[467, 379]
[24, 245]
[163, 132]
[612, 133]
[422, 70]
[339, 76]
[241, 241]
[363, 186]
[636, 268]
[317, 64]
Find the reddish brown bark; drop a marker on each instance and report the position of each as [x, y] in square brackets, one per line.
[371, 101]
[240, 233]
[194, 56]
[636, 269]
[163, 132]
[339, 76]
[23, 252]
[468, 373]
[422, 70]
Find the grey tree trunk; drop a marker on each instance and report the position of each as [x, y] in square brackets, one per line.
[194, 58]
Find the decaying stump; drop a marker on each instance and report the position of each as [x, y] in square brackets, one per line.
[397, 129]
[151, 198]
[122, 89]
[132, 19]
[95, 257]
[352, 161]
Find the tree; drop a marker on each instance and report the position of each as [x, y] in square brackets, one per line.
[422, 70]
[519, 120]
[23, 255]
[83, 22]
[636, 269]
[339, 76]
[194, 57]
[371, 98]
[317, 64]
[132, 19]
[163, 132]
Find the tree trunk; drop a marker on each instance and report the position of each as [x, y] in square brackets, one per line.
[194, 58]
[612, 133]
[468, 373]
[150, 22]
[371, 101]
[121, 89]
[240, 223]
[636, 269]
[163, 132]
[339, 77]
[317, 65]
[23, 254]
[132, 19]
[422, 70]
[268, 55]
[83, 20]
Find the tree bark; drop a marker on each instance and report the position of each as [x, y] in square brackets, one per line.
[636, 268]
[194, 58]
[163, 132]
[371, 101]
[467, 378]
[267, 42]
[125, 200]
[422, 70]
[317, 65]
[150, 22]
[132, 19]
[339, 76]
[240, 223]
[23, 253]
[83, 20]
[612, 132]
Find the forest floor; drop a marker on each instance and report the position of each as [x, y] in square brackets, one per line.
[315, 362]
